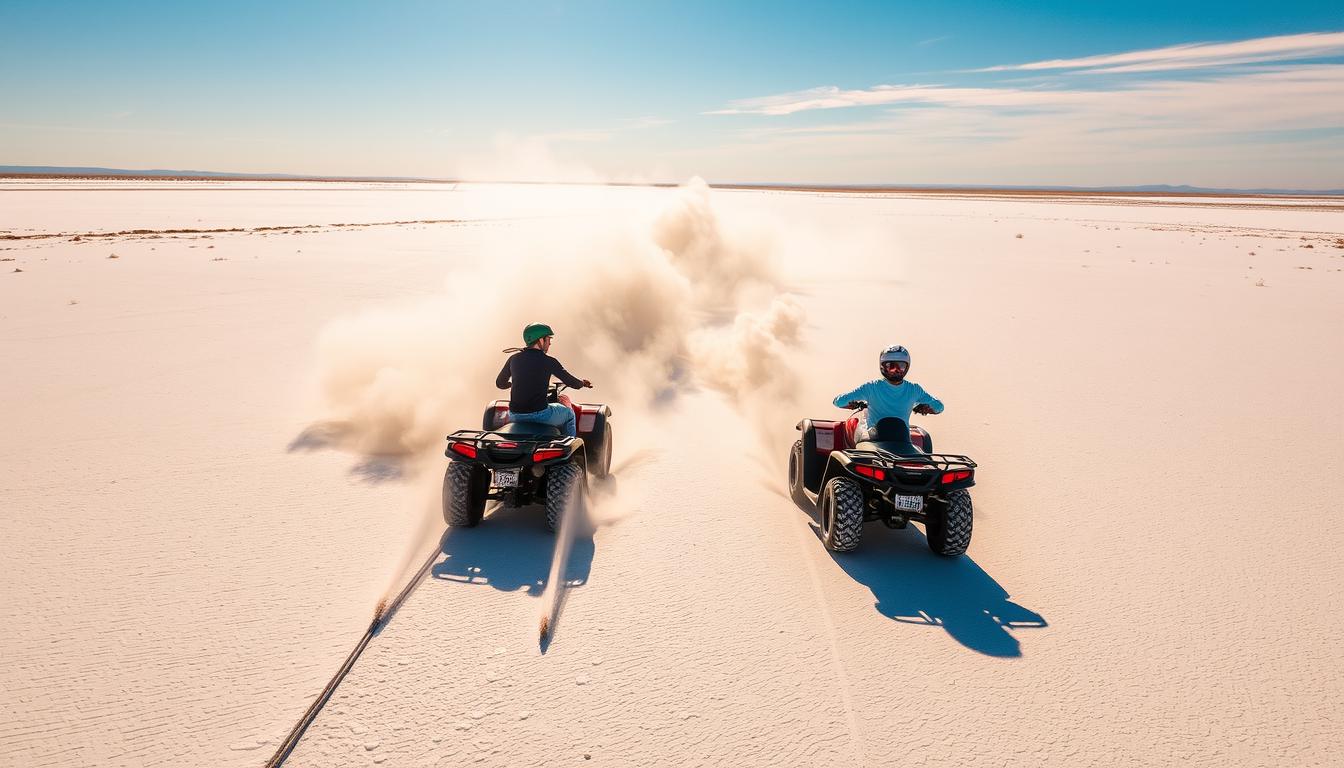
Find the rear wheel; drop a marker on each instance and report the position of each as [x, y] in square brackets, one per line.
[810, 461]
[796, 472]
[602, 467]
[464, 489]
[597, 447]
[564, 493]
[608, 447]
[841, 514]
[948, 528]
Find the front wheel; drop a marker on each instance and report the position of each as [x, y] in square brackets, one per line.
[841, 514]
[948, 527]
[564, 493]
[464, 489]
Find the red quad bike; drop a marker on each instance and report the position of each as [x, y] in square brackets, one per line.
[524, 463]
[894, 477]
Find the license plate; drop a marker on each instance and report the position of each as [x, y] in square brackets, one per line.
[909, 503]
[506, 478]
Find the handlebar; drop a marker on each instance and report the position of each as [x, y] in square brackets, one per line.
[859, 405]
[556, 387]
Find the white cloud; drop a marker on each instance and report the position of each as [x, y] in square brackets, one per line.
[1191, 56]
[1277, 127]
[1291, 97]
[1295, 98]
[1198, 55]
[831, 97]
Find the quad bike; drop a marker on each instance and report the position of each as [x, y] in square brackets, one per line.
[524, 463]
[894, 476]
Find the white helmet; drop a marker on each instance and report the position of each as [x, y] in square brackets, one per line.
[894, 354]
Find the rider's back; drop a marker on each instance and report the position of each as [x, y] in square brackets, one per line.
[530, 371]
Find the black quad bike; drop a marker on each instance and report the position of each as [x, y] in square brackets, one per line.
[894, 477]
[524, 463]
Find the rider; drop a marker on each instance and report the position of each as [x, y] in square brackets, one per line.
[891, 395]
[530, 370]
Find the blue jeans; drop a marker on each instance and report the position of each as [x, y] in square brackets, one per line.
[555, 414]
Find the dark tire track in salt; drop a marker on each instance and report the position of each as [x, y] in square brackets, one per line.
[380, 619]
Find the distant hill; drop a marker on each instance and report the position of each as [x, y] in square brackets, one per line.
[1150, 189]
[1185, 189]
[1146, 189]
[158, 173]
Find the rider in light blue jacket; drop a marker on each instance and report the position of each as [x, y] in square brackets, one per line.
[891, 395]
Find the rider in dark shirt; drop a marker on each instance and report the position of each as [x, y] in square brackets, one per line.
[527, 374]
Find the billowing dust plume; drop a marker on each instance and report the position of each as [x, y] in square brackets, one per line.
[645, 304]
[680, 301]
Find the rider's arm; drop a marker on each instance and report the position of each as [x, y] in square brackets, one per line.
[502, 380]
[559, 372]
[926, 399]
[857, 394]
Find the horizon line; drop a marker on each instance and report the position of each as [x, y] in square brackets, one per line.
[93, 172]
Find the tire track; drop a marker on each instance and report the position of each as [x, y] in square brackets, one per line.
[807, 551]
[381, 617]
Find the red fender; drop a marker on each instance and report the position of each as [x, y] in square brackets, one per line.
[917, 435]
[500, 409]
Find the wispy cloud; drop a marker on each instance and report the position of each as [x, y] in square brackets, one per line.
[831, 97]
[1292, 98]
[1251, 126]
[1285, 48]
[1198, 55]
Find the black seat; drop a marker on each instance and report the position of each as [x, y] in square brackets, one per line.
[891, 435]
[530, 428]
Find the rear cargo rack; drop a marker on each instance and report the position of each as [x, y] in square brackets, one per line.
[483, 438]
[889, 460]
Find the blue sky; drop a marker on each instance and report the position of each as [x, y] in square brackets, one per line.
[1216, 94]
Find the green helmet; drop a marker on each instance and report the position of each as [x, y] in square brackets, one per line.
[536, 331]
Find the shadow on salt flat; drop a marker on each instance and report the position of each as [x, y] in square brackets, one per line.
[511, 550]
[372, 469]
[914, 586]
[318, 436]
[379, 469]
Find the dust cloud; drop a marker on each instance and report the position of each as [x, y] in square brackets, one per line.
[647, 307]
[683, 302]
